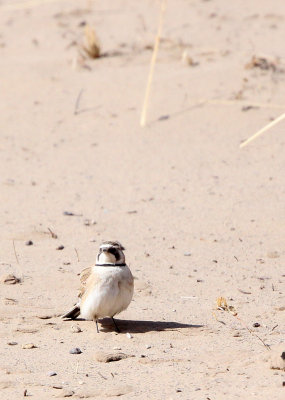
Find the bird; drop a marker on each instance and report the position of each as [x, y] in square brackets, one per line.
[106, 288]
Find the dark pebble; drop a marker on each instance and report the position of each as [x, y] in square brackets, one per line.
[61, 247]
[75, 350]
[163, 117]
[29, 243]
[68, 213]
[256, 325]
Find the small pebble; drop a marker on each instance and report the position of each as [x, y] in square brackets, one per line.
[44, 316]
[110, 357]
[12, 343]
[117, 348]
[129, 336]
[178, 390]
[187, 254]
[52, 373]
[61, 247]
[68, 213]
[65, 393]
[29, 346]
[256, 325]
[148, 346]
[76, 329]
[57, 386]
[75, 350]
[29, 243]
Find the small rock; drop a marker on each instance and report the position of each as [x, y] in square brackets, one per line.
[109, 357]
[44, 316]
[89, 222]
[12, 343]
[66, 393]
[57, 386]
[61, 247]
[9, 279]
[148, 346]
[256, 325]
[187, 254]
[75, 350]
[29, 243]
[129, 336]
[29, 346]
[76, 329]
[52, 373]
[117, 348]
[68, 213]
[178, 390]
[273, 254]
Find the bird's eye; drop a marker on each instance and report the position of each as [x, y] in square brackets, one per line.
[115, 252]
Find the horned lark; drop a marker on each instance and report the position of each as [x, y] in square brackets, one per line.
[106, 288]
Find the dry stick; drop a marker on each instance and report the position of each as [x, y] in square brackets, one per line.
[53, 235]
[76, 107]
[76, 254]
[26, 4]
[15, 252]
[253, 333]
[152, 63]
[264, 129]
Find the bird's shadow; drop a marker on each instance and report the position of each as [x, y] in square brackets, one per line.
[137, 326]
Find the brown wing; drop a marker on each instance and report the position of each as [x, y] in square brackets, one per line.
[85, 273]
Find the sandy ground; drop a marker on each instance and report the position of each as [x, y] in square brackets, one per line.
[199, 217]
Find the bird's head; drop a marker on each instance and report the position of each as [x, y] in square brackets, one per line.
[111, 253]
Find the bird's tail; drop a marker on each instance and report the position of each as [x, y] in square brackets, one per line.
[73, 313]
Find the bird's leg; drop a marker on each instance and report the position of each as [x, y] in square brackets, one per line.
[96, 322]
[116, 326]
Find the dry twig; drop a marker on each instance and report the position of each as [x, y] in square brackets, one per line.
[222, 305]
[264, 129]
[152, 63]
[15, 252]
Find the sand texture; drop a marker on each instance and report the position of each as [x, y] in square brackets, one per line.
[200, 218]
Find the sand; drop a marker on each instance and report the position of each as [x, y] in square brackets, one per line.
[200, 217]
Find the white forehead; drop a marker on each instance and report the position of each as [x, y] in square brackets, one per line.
[106, 246]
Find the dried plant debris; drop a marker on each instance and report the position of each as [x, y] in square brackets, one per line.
[91, 44]
[223, 305]
[110, 357]
[9, 279]
[264, 63]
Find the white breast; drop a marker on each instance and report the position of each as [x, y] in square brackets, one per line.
[111, 294]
